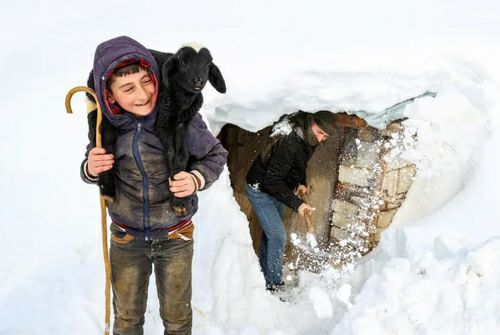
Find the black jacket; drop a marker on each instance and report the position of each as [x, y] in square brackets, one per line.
[283, 171]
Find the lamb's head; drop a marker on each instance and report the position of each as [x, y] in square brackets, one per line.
[190, 68]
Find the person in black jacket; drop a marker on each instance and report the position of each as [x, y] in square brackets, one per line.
[275, 178]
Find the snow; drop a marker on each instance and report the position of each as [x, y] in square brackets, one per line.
[440, 290]
[283, 127]
[436, 268]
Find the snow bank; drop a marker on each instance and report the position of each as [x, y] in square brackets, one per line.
[435, 268]
[446, 290]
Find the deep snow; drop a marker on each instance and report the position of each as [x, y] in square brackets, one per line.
[435, 270]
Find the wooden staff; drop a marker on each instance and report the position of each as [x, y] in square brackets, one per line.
[102, 202]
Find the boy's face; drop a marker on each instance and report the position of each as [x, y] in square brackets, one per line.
[134, 92]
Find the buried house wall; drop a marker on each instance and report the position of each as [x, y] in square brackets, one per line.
[358, 179]
[243, 146]
[372, 184]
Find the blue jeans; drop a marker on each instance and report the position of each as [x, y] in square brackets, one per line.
[132, 262]
[270, 212]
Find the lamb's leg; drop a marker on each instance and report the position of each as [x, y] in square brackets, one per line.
[164, 132]
[181, 206]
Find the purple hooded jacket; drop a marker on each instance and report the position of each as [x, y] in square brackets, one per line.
[141, 201]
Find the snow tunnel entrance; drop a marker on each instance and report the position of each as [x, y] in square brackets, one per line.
[358, 179]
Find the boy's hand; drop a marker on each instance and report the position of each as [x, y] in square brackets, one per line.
[98, 161]
[182, 185]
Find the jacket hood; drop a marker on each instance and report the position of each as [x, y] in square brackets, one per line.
[108, 56]
[302, 127]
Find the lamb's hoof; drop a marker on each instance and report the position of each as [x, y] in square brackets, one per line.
[180, 210]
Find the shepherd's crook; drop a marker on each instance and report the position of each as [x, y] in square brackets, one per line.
[101, 199]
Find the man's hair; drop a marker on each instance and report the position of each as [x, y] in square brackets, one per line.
[127, 69]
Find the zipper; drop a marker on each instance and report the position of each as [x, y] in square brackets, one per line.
[145, 181]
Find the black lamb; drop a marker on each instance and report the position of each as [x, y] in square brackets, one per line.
[183, 76]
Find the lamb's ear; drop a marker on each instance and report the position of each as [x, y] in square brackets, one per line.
[215, 78]
[166, 69]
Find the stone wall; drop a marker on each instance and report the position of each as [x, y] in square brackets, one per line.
[373, 180]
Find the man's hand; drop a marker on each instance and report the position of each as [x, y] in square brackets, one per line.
[301, 190]
[182, 185]
[99, 161]
[303, 207]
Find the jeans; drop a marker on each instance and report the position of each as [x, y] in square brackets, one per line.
[270, 213]
[132, 262]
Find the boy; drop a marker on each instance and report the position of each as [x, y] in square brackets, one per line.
[145, 230]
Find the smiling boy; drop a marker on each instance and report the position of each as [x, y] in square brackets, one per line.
[146, 233]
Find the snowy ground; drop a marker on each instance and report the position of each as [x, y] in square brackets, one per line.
[436, 269]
